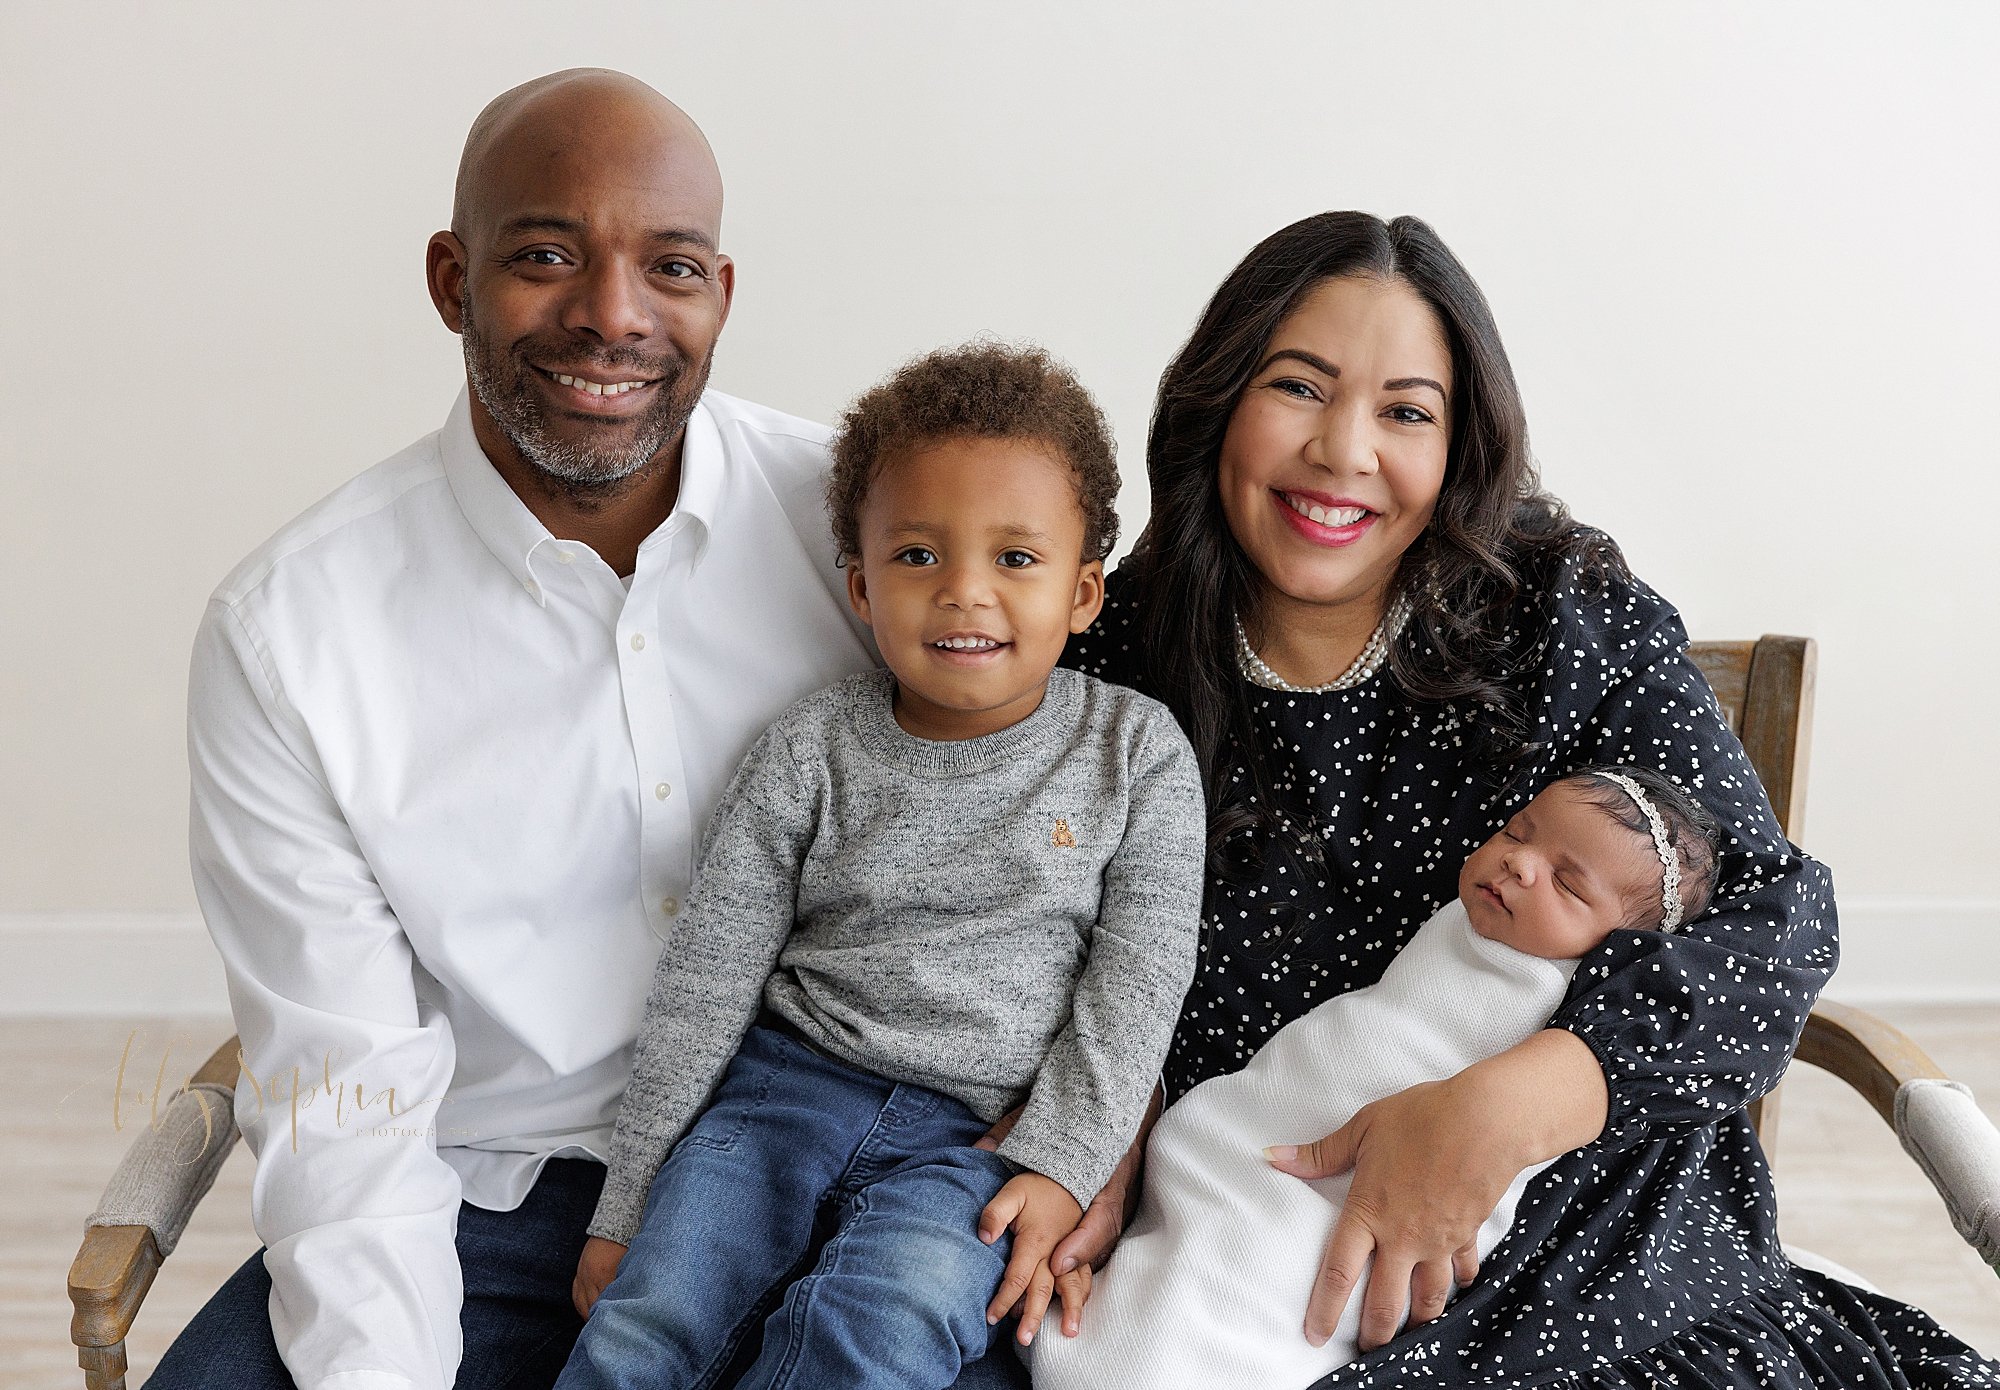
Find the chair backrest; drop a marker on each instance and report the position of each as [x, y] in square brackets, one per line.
[1766, 692]
[1765, 689]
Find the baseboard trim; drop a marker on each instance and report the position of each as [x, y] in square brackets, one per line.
[1918, 950]
[101, 964]
[109, 964]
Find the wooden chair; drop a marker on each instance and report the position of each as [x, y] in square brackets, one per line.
[1766, 689]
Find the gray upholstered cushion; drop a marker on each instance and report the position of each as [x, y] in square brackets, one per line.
[1959, 1148]
[171, 1165]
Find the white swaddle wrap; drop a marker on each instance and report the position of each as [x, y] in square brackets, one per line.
[1209, 1286]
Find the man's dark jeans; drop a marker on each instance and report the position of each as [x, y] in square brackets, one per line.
[518, 1322]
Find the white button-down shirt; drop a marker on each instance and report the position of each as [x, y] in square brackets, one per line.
[449, 779]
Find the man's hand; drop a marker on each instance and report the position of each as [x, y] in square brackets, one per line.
[1040, 1212]
[595, 1270]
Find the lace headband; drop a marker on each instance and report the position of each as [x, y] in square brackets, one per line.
[1663, 845]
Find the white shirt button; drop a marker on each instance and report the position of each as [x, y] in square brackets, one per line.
[534, 589]
[638, 641]
[663, 791]
[670, 906]
[564, 557]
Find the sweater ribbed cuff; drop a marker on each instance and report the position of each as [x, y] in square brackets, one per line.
[617, 1217]
[1082, 1174]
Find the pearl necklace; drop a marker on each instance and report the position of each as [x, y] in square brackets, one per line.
[1372, 658]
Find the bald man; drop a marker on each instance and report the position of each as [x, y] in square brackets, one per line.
[454, 734]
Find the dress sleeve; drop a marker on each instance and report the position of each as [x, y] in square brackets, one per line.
[1090, 1094]
[356, 1209]
[1692, 1026]
[711, 972]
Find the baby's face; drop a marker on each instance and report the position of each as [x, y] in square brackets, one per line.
[1559, 877]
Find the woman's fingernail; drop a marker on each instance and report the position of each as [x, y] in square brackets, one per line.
[1282, 1153]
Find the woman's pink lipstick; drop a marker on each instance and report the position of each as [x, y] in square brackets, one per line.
[1318, 534]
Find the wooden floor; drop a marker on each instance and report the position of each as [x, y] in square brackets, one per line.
[1846, 1190]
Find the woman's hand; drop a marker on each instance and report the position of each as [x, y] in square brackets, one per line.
[1002, 1127]
[594, 1270]
[1430, 1165]
[1426, 1175]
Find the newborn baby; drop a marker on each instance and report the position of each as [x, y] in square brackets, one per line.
[1210, 1283]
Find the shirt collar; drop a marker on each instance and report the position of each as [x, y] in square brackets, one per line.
[702, 470]
[513, 533]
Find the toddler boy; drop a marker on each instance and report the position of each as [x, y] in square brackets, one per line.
[931, 894]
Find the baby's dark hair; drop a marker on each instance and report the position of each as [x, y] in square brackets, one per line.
[983, 390]
[1692, 830]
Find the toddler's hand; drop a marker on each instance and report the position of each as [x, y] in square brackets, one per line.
[595, 1270]
[1040, 1212]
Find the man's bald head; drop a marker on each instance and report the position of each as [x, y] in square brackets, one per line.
[541, 128]
[584, 275]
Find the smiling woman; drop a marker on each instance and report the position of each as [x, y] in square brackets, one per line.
[1340, 467]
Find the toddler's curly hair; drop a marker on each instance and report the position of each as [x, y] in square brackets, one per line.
[982, 390]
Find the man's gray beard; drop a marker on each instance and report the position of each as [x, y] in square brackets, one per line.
[573, 467]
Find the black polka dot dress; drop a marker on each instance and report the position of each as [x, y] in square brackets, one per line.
[1650, 1257]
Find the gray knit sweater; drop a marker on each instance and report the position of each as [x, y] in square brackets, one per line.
[1005, 918]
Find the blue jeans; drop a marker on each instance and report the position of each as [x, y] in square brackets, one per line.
[517, 1321]
[817, 1228]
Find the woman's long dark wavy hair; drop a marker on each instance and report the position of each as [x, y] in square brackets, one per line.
[1492, 523]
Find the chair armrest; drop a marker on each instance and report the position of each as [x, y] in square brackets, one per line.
[173, 1162]
[1873, 1057]
[1934, 1117]
[1959, 1150]
[165, 1173]
[108, 1280]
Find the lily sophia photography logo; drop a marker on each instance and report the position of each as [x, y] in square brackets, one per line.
[148, 1089]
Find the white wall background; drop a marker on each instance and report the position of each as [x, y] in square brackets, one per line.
[1743, 256]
